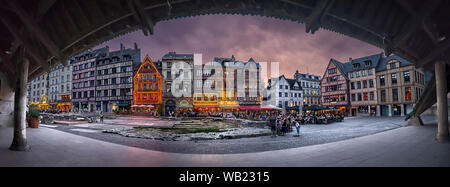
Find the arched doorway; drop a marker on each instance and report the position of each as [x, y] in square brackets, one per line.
[170, 107]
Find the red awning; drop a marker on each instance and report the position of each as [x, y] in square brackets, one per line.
[254, 107]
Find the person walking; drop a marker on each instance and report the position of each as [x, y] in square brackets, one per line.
[100, 115]
[273, 125]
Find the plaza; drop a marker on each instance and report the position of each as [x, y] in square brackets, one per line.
[402, 146]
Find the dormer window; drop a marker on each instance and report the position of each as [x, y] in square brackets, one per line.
[368, 63]
[392, 65]
[356, 66]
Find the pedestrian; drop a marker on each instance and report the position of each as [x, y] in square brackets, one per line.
[297, 126]
[101, 116]
[273, 125]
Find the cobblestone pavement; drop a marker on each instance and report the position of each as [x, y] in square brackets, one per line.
[310, 135]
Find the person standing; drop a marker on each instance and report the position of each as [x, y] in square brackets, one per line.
[273, 125]
[100, 115]
[297, 126]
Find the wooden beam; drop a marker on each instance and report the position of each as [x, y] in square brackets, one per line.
[43, 7]
[412, 26]
[24, 41]
[317, 15]
[141, 16]
[34, 28]
[435, 53]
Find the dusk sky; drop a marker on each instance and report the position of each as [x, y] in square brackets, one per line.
[264, 39]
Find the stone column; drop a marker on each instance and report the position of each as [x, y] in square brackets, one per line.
[378, 110]
[402, 110]
[20, 96]
[441, 93]
[390, 110]
[368, 110]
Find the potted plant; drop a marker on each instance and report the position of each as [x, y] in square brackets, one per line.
[33, 118]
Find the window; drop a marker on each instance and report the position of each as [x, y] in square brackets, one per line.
[352, 85]
[392, 65]
[113, 81]
[105, 92]
[286, 95]
[408, 93]
[358, 84]
[286, 87]
[353, 97]
[359, 97]
[406, 76]
[382, 83]
[365, 96]
[332, 71]
[395, 94]
[394, 78]
[113, 92]
[370, 83]
[364, 83]
[280, 94]
[370, 72]
[91, 93]
[199, 83]
[363, 73]
[356, 65]
[358, 74]
[372, 96]
[368, 63]
[169, 75]
[351, 74]
[383, 95]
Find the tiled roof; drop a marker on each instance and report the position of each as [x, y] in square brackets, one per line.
[174, 55]
[383, 63]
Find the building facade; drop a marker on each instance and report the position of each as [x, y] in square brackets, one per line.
[60, 89]
[373, 85]
[399, 86]
[311, 88]
[39, 91]
[83, 80]
[177, 73]
[290, 95]
[114, 79]
[334, 85]
[363, 90]
[147, 90]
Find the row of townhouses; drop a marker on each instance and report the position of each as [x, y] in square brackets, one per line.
[372, 85]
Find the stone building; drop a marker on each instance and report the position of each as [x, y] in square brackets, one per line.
[39, 91]
[363, 91]
[83, 80]
[290, 95]
[177, 72]
[114, 78]
[60, 89]
[399, 86]
[311, 88]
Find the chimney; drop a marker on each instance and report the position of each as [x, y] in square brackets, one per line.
[107, 51]
[350, 59]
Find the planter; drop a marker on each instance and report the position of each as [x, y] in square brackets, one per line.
[33, 122]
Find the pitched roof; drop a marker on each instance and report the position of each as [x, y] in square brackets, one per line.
[174, 55]
[383, 63]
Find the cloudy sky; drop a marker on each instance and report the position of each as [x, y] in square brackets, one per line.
[264, 39]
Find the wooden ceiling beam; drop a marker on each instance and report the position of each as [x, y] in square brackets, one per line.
[317, 15]
[141, 16]
[435, 53]
[30, 49]
[34, 28]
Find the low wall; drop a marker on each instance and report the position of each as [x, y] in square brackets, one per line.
[6, 102]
